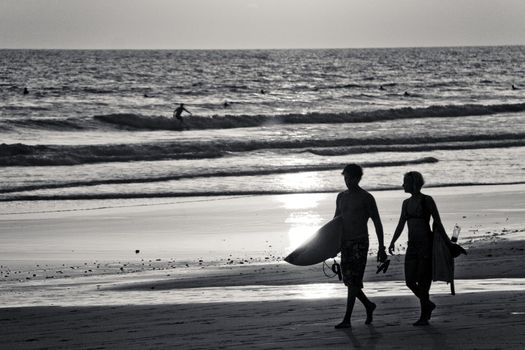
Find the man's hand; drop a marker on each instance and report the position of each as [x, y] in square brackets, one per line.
[391, 248]
[381, 254]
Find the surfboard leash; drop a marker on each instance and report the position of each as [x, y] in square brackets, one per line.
[335, 268]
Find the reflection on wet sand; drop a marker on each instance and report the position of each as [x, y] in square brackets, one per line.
[106, 292]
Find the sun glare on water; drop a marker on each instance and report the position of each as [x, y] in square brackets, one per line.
[304, 219]
[299, 233]
[306, 181]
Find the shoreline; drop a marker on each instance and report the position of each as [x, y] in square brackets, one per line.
[221, 195]
[106, 239]
[248, 301]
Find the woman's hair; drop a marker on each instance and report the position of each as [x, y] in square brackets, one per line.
[415, 180]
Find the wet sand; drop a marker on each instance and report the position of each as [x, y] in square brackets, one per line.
[466, 321]
[248, 301]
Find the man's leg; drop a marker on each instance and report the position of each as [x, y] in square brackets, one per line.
[353, 263]
[350, 302]
[369, 306]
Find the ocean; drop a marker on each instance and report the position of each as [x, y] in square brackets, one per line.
[98, 125]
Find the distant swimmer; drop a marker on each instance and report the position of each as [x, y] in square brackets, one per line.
[177, 113]
[514, 87]
[26, 91]
[381, 87]
[262, 91]
[406, 93]
[226, 104]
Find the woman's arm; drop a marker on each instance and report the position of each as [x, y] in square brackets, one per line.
[432, 208]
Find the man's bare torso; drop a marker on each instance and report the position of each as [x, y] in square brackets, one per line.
[355, 207]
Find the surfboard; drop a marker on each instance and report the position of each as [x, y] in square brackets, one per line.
[324, 244]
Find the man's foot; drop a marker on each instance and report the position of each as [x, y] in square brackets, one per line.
[421, 322]
[343, 325]
[370, 313]
[431, 306]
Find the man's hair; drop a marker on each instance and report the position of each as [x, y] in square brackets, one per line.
[415, 180]
[353, 170]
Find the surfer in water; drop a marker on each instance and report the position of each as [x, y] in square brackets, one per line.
[357, 206]
[416, 211]
[177, 113]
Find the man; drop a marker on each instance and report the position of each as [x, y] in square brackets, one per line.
[356, 206]
[177, 113]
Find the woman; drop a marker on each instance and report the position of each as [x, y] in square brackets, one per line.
[416, 211]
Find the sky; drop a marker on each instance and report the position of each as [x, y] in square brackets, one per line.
[252, 24]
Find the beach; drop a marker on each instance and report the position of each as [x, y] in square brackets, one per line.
[122, 227]
[196, 283]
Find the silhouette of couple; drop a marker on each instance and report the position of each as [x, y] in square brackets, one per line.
[357, 206]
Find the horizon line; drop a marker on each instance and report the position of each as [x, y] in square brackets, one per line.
[259, 49]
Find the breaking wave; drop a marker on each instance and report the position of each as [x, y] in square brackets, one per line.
[143, 195]
[141, 122]
[217, 173]
[131, 122]
[41, 155]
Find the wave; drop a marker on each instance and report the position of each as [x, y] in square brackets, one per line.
[25, 108]
[131, 122]
[141, 122]
[46, 155]
[444, 84]
[337, 86]
[42, 155]
[418, 147]
[145, 195]
[48, 124]
[92, 90]
[215, 174]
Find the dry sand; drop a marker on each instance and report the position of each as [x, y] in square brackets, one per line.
[263, 303]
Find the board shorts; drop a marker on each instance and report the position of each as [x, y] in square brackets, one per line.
[353, 262]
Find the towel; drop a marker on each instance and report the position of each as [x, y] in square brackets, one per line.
[443, 253]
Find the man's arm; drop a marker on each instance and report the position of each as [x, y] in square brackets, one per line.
[337, 207]
[376, 219]
[399, 228]
[374, 215]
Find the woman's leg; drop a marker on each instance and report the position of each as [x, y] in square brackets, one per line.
[411, 273]
[415, 279]
[425, 281]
